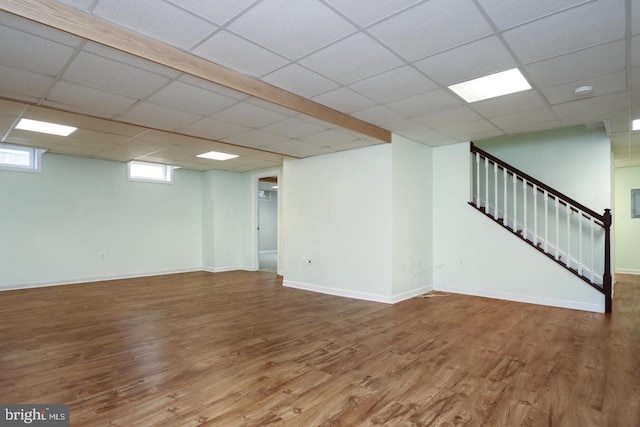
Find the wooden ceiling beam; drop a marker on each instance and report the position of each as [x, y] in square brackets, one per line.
[89, 27]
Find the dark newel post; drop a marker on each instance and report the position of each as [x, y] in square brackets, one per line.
[606, 277]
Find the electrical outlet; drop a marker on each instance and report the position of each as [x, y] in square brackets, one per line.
[459, 262]
[101, 255]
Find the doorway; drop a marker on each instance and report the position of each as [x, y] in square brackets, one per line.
[267, 224]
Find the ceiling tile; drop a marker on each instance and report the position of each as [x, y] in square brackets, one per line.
[448, 117]
[157, 19]
[635, 18]
[345, 100]
[635, 51]
[82, 99]
[476, 59]
[515, 12]
[509, 104]
[302, 26]
[593, 109]
[191, 99]
[238, 54]
[432, 27]
[16, 82]
[366, 12]
[112, 76]
[31, 53]
[588, 25]
[157, 116]
[248, 115]
[379, 115]
[602, 85]
[337, 61]
[470, 131]
[509, 122]
[213, 129]
[394, 84]
[299, 80]
[435, 100]
[578, 65]
[219, 12]
[43, 31]
[257, 139]
[78, 4]
[132, 60]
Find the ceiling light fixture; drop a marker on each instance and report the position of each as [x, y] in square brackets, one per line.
[635, 125]
[491, 86]
[214, 155]
[45, 127]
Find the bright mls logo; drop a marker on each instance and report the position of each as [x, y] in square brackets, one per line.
[34, 415]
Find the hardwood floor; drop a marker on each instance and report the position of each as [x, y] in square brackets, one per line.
[237, 348]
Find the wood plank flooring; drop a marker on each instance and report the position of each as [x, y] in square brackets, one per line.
[238, 349]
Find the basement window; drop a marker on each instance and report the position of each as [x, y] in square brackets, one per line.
[18, 158]
[149, 172]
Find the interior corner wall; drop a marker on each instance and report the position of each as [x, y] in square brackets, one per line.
[412, 210]
[627, 229]
[55, 225]
[475, 256]
[337, 214]
[268, 218]
[226, 219]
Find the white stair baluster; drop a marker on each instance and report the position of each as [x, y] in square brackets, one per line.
[557, 254]
[477, 179]
[505, 220]
[486, 185]
[546, 220]
[515, 204]
[495, 191]
[568, 235]
[580, 242]
[592, 223]
[524, 199]
[535, 215]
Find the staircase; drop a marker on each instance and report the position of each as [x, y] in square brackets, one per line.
[567, 232]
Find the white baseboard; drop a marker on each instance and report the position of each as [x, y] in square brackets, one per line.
[273, 251]
[228, 268]
[356, 294]
[551, 302]
[627, 271]
[64, 282]
[411, 294]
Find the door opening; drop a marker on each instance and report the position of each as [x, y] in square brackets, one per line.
[268, 224]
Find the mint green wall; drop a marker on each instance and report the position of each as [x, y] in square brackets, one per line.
[55, 224]
[412, 210]
[226, 218]
[574, 160]
[337, 211]
[627, 229]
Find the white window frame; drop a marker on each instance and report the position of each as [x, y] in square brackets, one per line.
[166, 172]
[35, 159]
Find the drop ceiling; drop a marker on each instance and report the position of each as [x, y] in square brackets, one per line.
[384, 64]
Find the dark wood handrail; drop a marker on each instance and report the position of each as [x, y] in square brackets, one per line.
[539, 184]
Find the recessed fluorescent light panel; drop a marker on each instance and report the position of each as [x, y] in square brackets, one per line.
[635, 125]
[491, 86]
[45, 127]
[214, 155]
